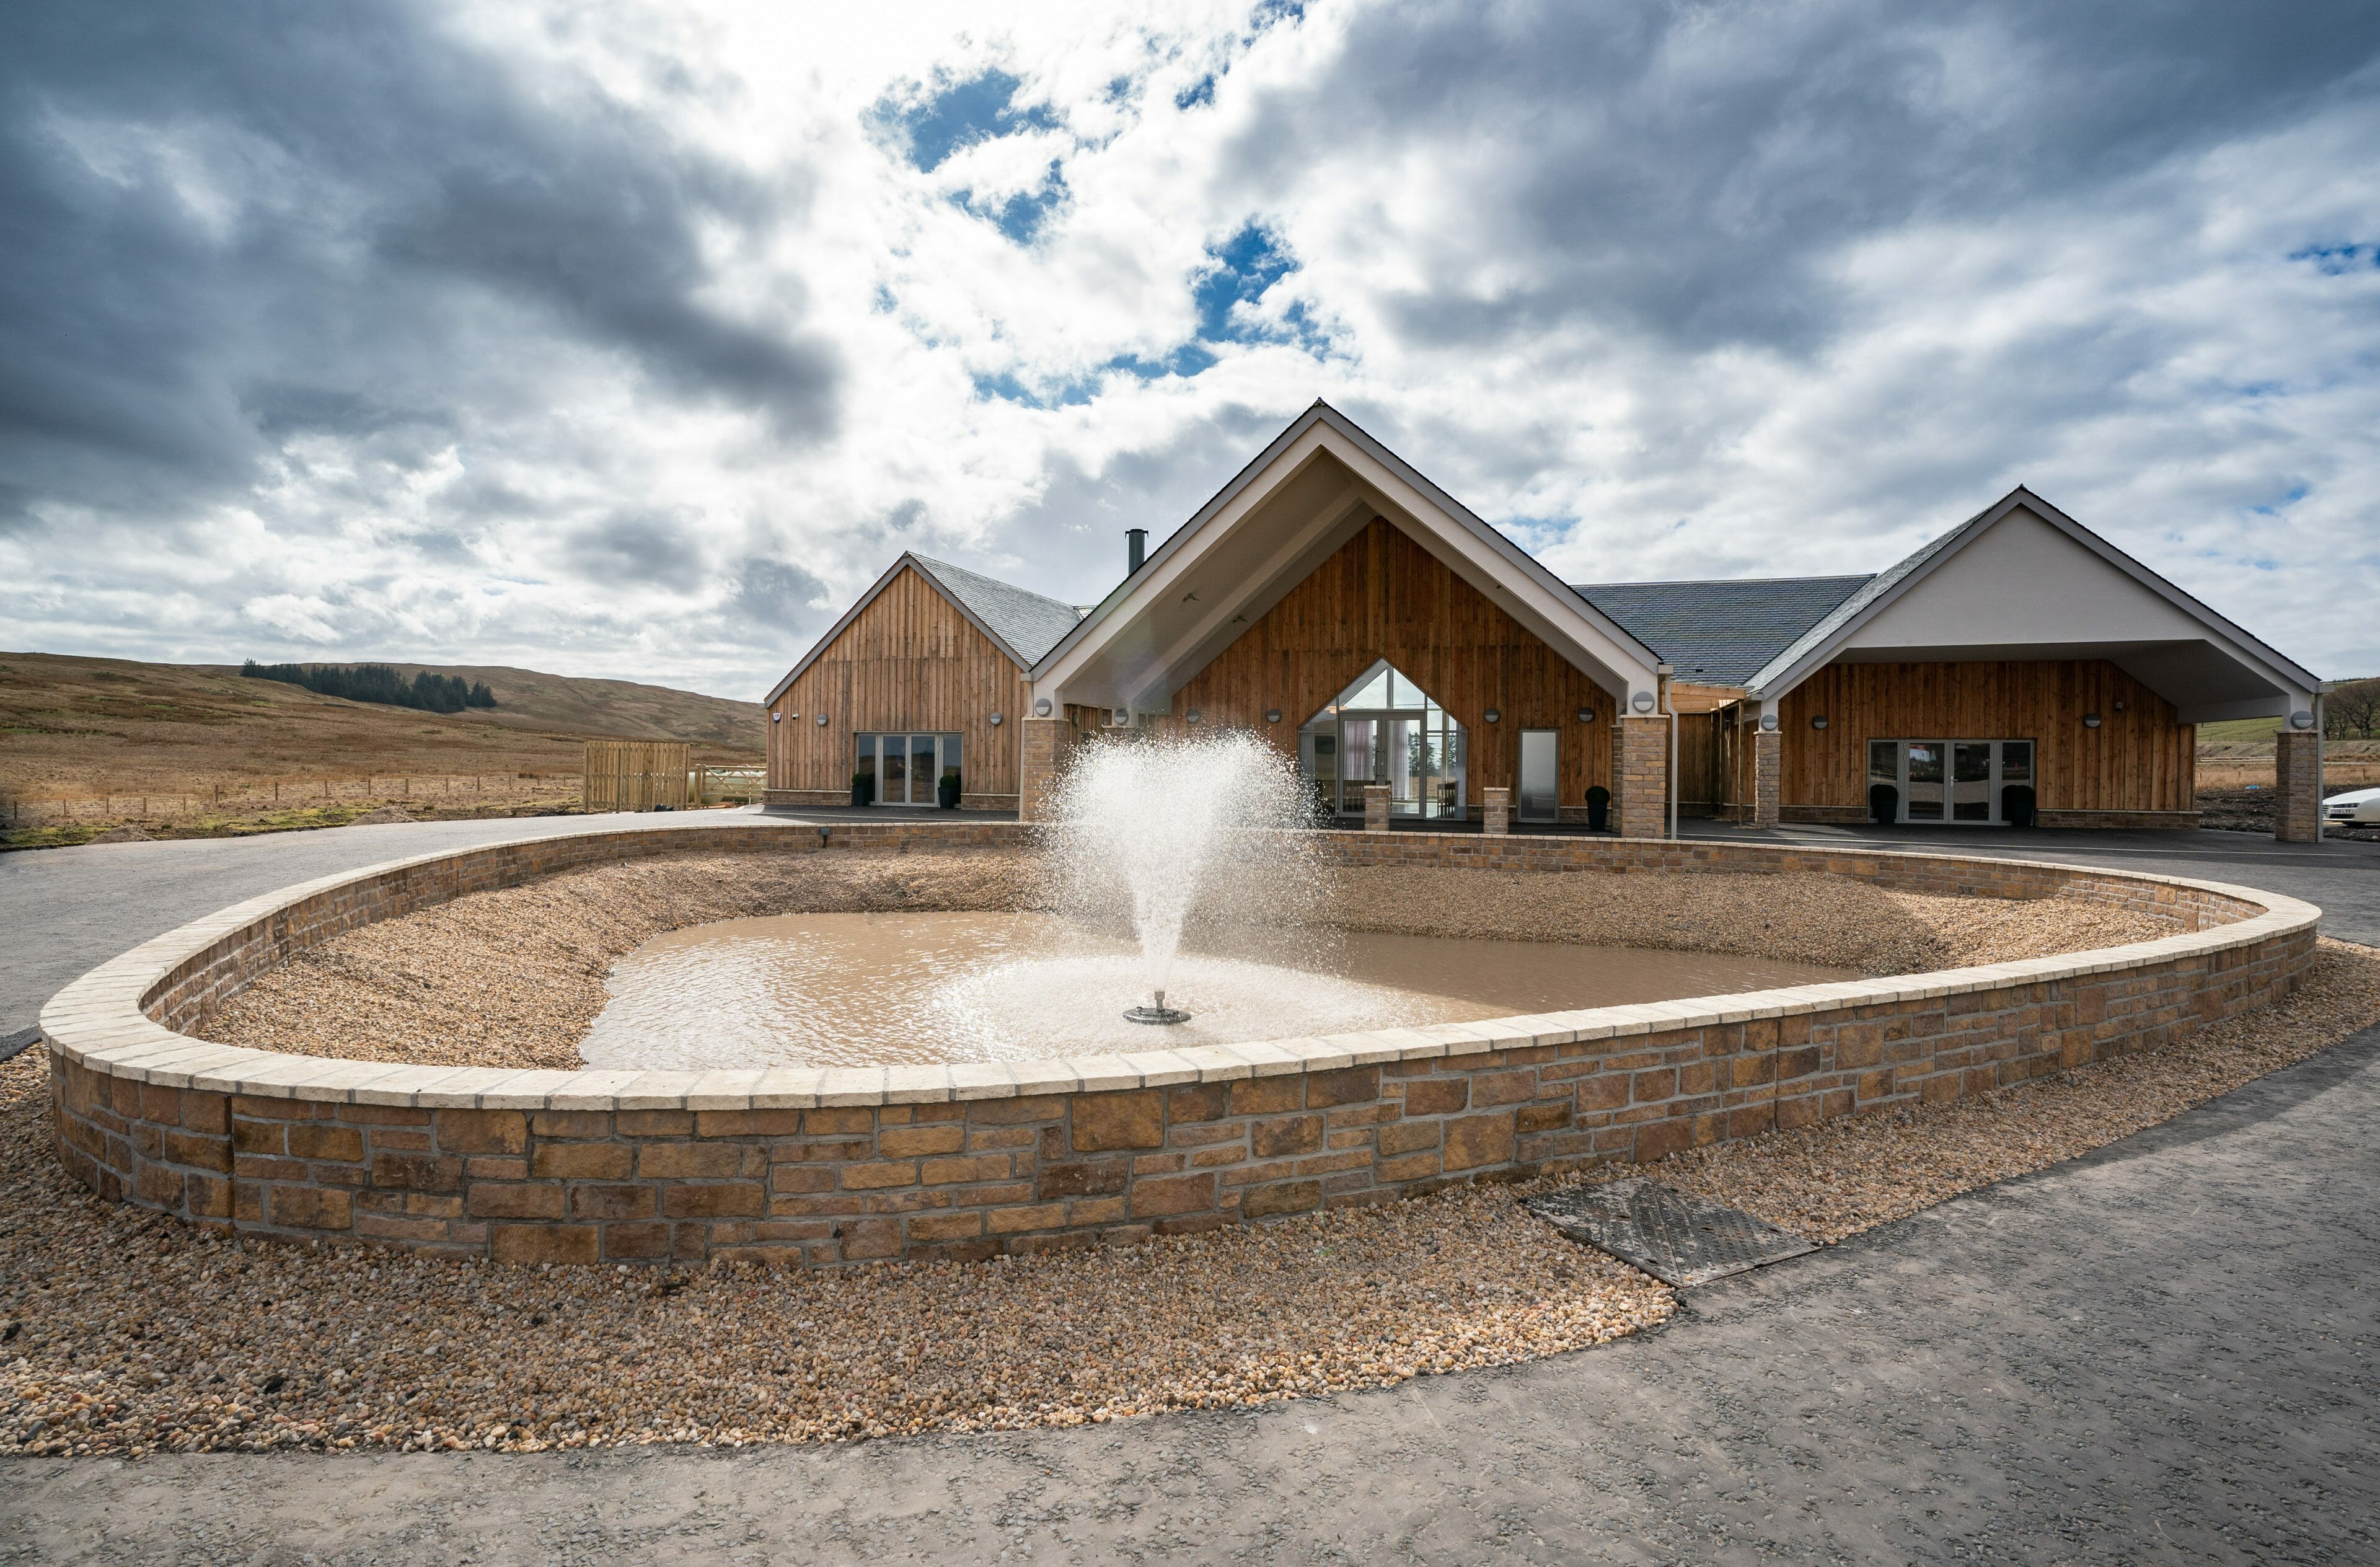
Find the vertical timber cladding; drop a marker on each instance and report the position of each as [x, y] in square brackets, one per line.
[2137, 759]
[1383, 596]
[910, 660]
[636, 775]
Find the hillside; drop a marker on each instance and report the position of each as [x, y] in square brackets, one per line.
[81, 726]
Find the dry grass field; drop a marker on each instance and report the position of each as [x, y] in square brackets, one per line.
[91, 746]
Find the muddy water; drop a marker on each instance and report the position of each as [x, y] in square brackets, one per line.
[877, 989]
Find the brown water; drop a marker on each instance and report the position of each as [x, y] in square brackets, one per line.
[878, 990]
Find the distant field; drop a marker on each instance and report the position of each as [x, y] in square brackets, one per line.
[87, 736]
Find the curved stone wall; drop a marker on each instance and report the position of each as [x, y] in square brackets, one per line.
[815, 1167]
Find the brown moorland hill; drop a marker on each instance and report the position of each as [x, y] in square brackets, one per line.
[72, 725]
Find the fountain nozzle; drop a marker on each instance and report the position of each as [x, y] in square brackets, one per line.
[1159, 1013]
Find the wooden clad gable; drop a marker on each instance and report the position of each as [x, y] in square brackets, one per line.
[908, 661]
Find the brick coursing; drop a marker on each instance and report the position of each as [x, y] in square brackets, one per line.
[2297, 785]
[1767, 770]
[970, 1178]
[1642, 770]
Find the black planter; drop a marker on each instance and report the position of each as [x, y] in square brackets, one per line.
[946, 793]
[1599, 817]
[863, 790]
[1883, 802]
[2016, 806]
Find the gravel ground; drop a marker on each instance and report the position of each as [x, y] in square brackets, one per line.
[514, 977]
[132, 1334]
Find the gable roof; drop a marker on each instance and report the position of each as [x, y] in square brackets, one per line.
[1020, 622]
[1028, 624]
[1511, 567]
[1823, 639]
[1720, 633]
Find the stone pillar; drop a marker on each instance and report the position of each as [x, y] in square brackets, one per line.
[1767, 767]
[1496, 808]
[1375, 807]
[2297, 785]
[1640, 769]
[1049, 743]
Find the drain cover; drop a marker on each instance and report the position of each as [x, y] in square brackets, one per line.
[1677, 1239]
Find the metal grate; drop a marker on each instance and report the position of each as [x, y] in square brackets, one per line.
[1677, 1239]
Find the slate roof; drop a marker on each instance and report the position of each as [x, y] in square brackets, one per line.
[1030, 624]
[1721, 633]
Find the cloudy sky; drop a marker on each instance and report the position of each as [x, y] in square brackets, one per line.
[635, 342]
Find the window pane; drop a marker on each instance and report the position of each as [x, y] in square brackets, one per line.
[1926, 784]
[1884, 761]
[1356, 762]
[892, 783]
[950, 756]
[2016, 761]
[862, 764]
[1374, 693]
[921, 770]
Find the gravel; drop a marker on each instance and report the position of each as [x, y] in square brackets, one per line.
[122, 1331]
[514, 977]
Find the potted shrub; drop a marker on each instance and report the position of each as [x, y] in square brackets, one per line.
[946, 791]
[863, 788]
[1599, 810]
[2016, 805]
[1883, 802]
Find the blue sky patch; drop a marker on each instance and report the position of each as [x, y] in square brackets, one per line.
[1200, 92]
[2333, 260]
[1244, 267]
[960, 114]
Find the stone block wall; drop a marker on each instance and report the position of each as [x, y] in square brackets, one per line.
[965, 1162]
[2297, 785]
[1641, 768]
[1767, 770]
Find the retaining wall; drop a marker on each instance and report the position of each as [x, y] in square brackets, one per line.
[807, 1166]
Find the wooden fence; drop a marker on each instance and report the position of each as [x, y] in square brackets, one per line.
[637, 774]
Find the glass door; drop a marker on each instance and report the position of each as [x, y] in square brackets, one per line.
[1921, 798]
[1952, 780]
[1384, 730]
[905, 770]
[1540, 800]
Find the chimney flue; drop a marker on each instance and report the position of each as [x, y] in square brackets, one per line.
[1135, 547]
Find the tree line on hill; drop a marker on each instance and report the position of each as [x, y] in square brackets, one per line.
[378, 683]
[2351, 710]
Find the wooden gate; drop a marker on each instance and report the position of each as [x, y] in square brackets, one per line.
[637, 775]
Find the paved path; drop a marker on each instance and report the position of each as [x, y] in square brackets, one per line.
[2161, 1352]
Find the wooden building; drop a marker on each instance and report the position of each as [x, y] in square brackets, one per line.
[1334, 602]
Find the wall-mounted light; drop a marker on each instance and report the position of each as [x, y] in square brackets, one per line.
[1818, 722]
[1769, 721]
[780, 718]
[1586, 715]
[2119, 707]
[2302, 719]
[822, 718]
[2090, 720]
[1041, 707]
[995, 720]
[1272, 715]
[1192, 716]
[1642, 701]
[1492, 714]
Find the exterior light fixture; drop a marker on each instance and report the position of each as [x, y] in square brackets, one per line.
[2090, 720]
[2119, 707]
[1586, 715]
[821, 718]
[1192, 716]
[995, 720]
[778, 717]
[1769, 721]
[2302, 719]
[1642, 701]
[1041, 708]
[1493, 714]
[1819, 721]
[1272, 715]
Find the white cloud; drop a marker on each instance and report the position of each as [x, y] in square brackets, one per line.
[646, 329]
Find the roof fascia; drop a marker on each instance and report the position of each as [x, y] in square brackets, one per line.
[840, 626]
[2240, 645]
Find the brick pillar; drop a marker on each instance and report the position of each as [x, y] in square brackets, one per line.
[2297, 785]
[1049, 743]
[1375, 807]
[1642, 770]
[1497, 805]
[1767, 767]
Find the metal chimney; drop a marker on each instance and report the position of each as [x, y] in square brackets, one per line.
[1135, 547]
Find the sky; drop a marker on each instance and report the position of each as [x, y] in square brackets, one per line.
[636, 341]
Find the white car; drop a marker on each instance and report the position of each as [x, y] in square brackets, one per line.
[2362, 808]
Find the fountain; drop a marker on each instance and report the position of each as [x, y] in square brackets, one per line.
[1155, 829]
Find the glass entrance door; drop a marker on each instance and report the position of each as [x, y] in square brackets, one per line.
[1952, 780]
[1384, 730]
[1540, 800]
[907, 770]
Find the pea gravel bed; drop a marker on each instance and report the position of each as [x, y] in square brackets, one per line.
[125, 1332]
[514, 977]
